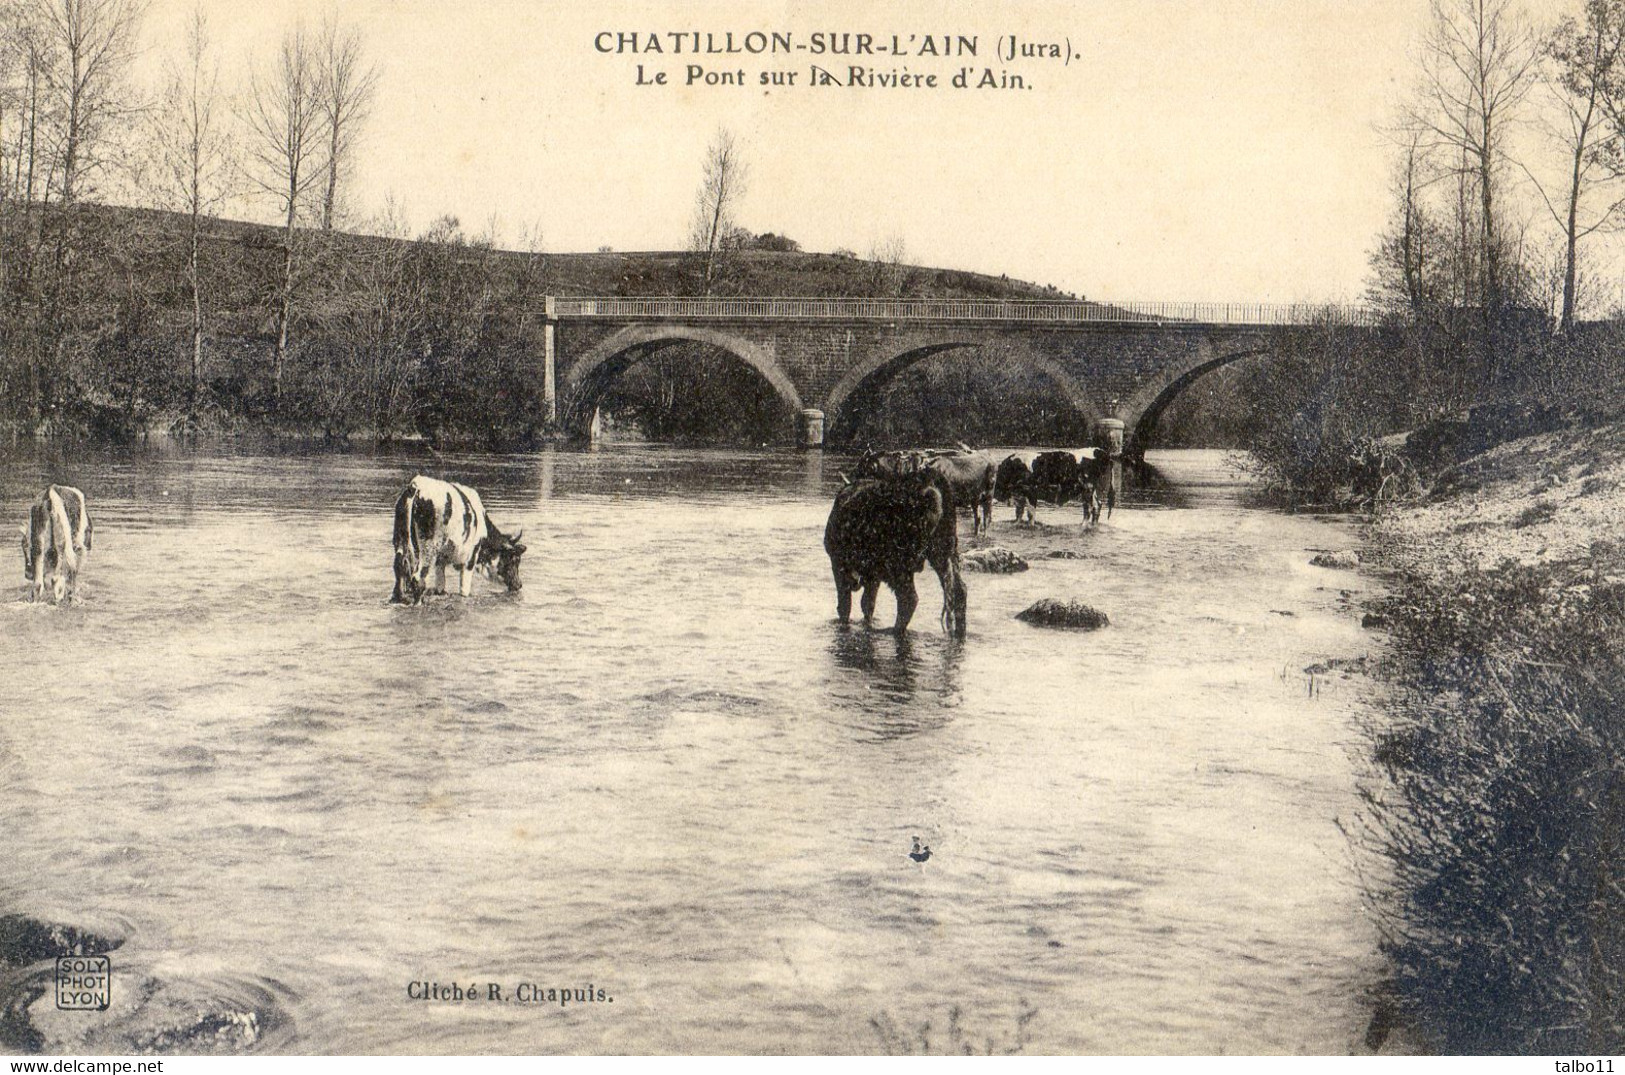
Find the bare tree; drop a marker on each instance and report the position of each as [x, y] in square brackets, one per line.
[194, 161]
[721, 187]
[23, 128]
[18, 77]
[286, 125]
[1405, 263]
[88, 45]
[72, 59]
[22, 84]
[1478, 67]
[377, 337]
[887, 273]
[1583, 78]
[348, 84]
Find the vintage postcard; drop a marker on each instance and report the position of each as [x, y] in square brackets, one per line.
[809, 528]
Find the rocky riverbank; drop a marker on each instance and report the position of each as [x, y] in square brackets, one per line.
[1500, 802]
[131, 1010]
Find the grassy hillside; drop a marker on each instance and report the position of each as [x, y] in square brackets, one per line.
[762, 272]
[433, 335]
[659, 272]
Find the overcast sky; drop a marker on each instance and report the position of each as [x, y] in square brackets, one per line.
[1191, 149]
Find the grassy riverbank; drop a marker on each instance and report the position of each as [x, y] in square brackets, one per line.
[1501, 809]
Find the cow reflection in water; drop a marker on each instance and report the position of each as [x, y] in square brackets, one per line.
[884, 530]
[894, 687]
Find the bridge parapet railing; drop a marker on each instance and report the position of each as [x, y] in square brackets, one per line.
[1018, 311]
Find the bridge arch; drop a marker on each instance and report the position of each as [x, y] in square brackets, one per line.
[590, 376]
[873, 370]
[1143, 411]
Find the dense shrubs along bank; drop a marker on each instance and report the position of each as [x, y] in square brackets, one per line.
[1500, 805]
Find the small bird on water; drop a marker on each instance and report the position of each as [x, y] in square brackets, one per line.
[920, 854]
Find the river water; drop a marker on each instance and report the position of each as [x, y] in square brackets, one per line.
[663, 772]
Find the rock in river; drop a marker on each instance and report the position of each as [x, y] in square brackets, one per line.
[1052, 613]
[996, 560]
[1344, 558]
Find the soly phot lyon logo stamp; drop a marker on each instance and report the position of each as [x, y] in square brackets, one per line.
[84, 983]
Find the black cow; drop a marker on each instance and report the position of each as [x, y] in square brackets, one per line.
[1013, 481]
[1106, 475]
[970, 475]
[885, 530]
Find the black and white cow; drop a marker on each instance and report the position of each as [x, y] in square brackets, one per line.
[1084, 474]
[55, 542]
[439, 523]
[1108, 475]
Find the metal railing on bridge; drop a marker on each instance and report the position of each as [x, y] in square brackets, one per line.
[997, 310]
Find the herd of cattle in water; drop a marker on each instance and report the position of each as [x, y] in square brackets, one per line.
[896, 512]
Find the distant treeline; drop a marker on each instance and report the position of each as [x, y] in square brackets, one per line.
[383, 335]
[437, 335]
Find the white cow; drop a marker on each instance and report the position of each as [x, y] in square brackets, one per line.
[55, 542]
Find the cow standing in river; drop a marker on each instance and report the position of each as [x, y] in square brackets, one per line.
[884, 530]
[1095, 483]
[55, 542]
[439, 523]
[1057, 477]
[1011, 483]
[970, 475]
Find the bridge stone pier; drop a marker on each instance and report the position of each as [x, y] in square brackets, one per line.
[1119, 365]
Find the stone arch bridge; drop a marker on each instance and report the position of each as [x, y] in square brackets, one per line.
[1119, 365]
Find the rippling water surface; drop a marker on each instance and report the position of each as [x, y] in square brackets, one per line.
[662, 769]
